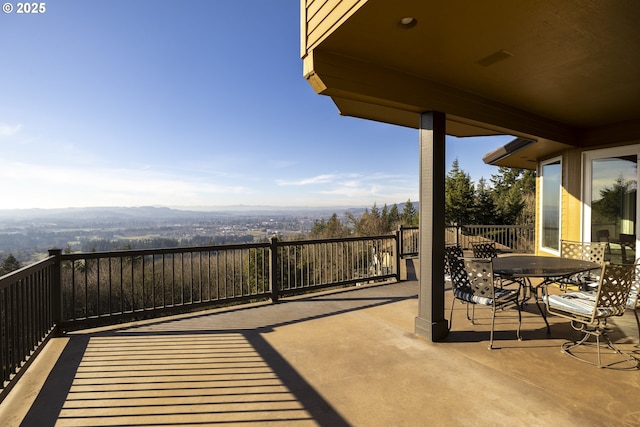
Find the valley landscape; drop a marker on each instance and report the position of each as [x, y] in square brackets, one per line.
[28, 234]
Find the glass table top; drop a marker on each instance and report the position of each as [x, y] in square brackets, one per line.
[540, 266]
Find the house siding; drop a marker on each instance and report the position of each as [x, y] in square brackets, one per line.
[321, 17]
[571, 196]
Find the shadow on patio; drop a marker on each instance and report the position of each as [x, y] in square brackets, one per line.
[337, 358]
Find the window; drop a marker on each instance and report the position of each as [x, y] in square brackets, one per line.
[550, 196]
[611, 200]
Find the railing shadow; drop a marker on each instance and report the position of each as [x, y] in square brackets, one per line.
[51, 398]
[175, 379]
[197, 369]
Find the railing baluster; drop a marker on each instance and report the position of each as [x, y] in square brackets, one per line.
[97, 311]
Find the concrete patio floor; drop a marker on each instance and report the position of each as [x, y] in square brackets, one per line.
[343, 358]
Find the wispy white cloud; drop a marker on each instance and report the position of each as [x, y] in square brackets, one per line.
[7, 130]
[354, 188]
[346, 179]
[319, 179]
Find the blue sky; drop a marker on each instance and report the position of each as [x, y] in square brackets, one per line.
[187, 103]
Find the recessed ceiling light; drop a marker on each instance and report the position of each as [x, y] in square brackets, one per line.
[407, 22]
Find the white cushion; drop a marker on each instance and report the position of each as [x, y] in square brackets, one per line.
[582, 303]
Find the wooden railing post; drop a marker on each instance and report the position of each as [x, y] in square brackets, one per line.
[273, 268]
[56, 287]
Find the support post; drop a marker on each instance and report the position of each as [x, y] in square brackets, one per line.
[273, 268]
[430, 322]
[398, 259]
[56, 287]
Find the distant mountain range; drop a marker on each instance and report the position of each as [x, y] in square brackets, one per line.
[146, 212]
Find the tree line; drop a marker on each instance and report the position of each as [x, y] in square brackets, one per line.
[508, 199]
[373, 222]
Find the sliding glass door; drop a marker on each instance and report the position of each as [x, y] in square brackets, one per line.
[611, 201]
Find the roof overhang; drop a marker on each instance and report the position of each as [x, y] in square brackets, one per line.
[560, 73]
[523, 153]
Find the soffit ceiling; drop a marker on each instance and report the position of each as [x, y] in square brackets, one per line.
[494, 66]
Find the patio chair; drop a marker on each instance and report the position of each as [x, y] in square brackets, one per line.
[451, 252]
[484, 250]
[587, 251]
[488, 250]
[589, 311]
[473, 284]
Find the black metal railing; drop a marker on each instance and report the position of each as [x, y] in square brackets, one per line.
[106, 287]
[82, 289]
[508, 238]
[29, 308]
[307, 265]
[409, 241]
[138, 283]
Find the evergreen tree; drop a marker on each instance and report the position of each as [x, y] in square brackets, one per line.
[318, 228]
[332, 228]
[459, 196]
[384, 218]
[9, 264]
[484, 209]
[335, 228]
[612, 199]
[409, 215]
[370, 223]
[394, 217]
[375, 212]
[514, 195]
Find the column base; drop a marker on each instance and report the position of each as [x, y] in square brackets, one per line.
[433, 331]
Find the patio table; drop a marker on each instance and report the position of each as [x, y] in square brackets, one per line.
[522, 268]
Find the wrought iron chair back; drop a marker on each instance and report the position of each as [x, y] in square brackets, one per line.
[451, 252]
[588, 251]
[484, 250]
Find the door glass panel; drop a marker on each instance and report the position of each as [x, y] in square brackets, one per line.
[551, 184]
[613, 205]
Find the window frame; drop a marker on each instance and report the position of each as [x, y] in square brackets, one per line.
[541, 247]
[587, 195]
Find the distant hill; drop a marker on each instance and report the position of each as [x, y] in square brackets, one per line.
[154, 212]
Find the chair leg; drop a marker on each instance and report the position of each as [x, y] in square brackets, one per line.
[629, 362]
[493, 321]
[518, 332]
[493, 318]
[451, 313]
